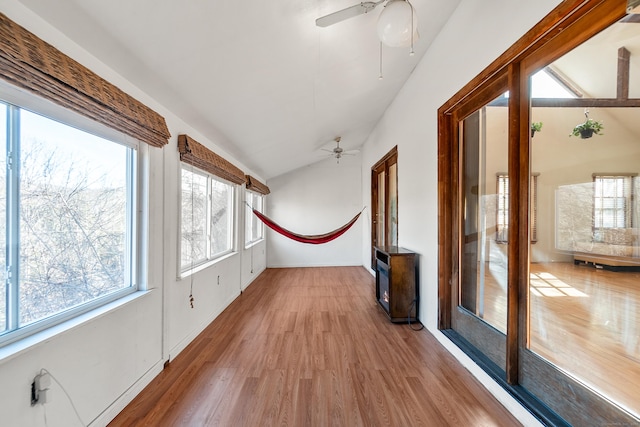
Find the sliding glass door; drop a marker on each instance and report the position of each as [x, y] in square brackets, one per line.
[480, 312]
[539, 234]
[584, 300]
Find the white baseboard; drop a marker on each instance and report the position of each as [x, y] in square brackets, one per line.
[125, 398]
[305, 265]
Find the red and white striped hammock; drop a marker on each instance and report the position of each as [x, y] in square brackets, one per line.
[315, 239]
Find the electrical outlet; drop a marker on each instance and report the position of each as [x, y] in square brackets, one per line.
[43, 381]
[43, 396]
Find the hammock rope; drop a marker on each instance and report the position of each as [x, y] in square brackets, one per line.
[315, 239]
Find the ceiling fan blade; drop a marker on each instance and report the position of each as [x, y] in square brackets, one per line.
[349, 12]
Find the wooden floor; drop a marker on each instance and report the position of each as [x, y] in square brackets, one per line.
[310, 347]
[584, 320]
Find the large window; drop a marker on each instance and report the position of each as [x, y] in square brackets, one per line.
[502, 208]
[207, 218]
[254, 230]
[68, 210]
[612, 201]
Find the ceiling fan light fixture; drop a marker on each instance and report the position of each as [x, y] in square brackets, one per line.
[398, 24]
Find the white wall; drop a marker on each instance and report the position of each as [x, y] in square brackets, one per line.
[476, 34]
[316, 199]
[104, 358]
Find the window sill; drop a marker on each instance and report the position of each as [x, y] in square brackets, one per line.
[255, 242]
[16, 348]
[203, 266]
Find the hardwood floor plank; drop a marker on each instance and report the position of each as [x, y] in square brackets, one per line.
[311, 347]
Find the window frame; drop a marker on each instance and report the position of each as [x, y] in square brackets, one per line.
[502, 218]
[627, 210]
[250, 219]
[210, 258]
[383, 230]
[137, 157]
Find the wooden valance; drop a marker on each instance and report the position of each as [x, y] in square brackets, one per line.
[255, 185]
[194, 153]
[30, 63]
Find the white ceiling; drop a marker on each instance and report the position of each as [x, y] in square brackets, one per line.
[256, 77]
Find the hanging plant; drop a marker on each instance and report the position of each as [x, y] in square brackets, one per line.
[587, 129]
[535, 127]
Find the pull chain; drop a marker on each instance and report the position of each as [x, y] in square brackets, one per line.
[380, 77]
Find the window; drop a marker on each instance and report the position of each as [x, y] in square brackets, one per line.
[502, 208]
[612, 201]
[207, 218]
[254, 230]
[68, 210]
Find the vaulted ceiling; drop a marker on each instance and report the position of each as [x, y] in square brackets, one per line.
[258, 78]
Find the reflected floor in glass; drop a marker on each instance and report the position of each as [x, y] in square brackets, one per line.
[587, 322]
[584, 320]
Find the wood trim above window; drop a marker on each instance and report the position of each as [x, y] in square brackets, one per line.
[196, 154]
[254, 185]
[30, 63]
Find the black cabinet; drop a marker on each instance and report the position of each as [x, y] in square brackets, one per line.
[397, 282]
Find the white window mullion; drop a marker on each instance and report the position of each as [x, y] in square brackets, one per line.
[209, 217]
[13, 217]
[131, 247]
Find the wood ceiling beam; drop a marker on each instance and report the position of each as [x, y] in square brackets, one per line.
[623, 73]
[575, 103]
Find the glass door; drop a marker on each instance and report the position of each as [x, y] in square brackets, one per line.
[539, 220]
[584, 299]
[479, 314]
[384, 203]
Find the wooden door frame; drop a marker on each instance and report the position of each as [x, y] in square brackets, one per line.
[385, 162]
[567, 26]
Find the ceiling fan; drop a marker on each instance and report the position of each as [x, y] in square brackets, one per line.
[338, 151]
[397, 24]
[349, 12]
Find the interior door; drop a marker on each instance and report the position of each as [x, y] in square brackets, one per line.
[384, 202]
